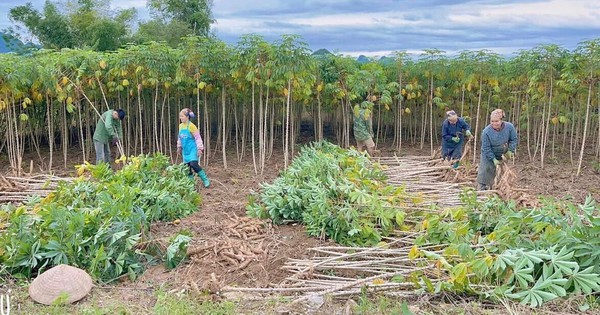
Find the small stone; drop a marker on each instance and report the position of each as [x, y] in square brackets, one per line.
[315, 301]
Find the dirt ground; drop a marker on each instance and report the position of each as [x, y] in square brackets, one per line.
[224, 203]
[558, 179]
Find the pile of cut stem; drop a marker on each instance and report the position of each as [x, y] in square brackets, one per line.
[346, 271]
[19, 189]
[423, 175]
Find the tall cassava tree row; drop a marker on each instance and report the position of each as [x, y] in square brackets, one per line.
[256, 95]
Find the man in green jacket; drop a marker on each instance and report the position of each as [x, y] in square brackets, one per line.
[108, 128]
[363, 126]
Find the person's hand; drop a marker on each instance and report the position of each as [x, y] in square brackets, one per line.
[468, 133]
[509, 155]
[199, 154]
[456, 139]
[115, 140]
[179, 151]
[497, 162]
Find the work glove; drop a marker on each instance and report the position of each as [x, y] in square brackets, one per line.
[509, 154]
[496, 162]
[468, 133]
[456, 139]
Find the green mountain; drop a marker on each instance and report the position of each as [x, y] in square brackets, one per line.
[322, 52]
[363, 59]
[385, 60]
[11, 44]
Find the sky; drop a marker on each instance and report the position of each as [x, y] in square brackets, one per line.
[379, 27]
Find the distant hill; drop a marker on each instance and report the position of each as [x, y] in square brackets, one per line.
[322, 52]
[8, 44]
[12, 44]
[363, 59]
[386, 60]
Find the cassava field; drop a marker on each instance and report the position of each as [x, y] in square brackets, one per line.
[296, 221]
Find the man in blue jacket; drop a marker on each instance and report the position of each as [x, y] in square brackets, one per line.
[454, 130]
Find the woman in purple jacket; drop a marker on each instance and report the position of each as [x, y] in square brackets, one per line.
[454, 130]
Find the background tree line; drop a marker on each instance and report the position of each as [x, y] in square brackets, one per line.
[92, 24]
[257, 95]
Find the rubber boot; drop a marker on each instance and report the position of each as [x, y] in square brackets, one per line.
[204, 178]
[455, 165]
[191, 176]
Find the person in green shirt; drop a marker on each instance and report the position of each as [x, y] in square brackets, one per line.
[108, 128]
[363, 126]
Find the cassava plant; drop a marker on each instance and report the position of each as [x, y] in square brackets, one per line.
[100, 222]
[532, 255]
[336, 193]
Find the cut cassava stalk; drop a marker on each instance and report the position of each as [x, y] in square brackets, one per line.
[19, 189]
[357, 283]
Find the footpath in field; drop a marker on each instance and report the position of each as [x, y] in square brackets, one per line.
[346, 271]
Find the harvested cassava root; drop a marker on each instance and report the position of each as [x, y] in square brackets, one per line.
[467, 172]
[505, 185]
[243, 241]
[19, 189]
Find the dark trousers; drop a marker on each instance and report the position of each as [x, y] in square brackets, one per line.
[453, 152]
[194, 166]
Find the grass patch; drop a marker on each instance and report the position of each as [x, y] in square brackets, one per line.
[166, 304]
[170, 304]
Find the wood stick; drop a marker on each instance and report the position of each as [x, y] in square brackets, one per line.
[357, 283]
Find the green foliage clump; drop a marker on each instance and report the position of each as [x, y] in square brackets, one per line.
[98, 223]
[177, 250]
[533, 255]
[336, 193]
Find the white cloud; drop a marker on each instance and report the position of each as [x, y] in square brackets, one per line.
[227, 7]
[240, 26]
[126, 4]
[555, 13]
[353, 19]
